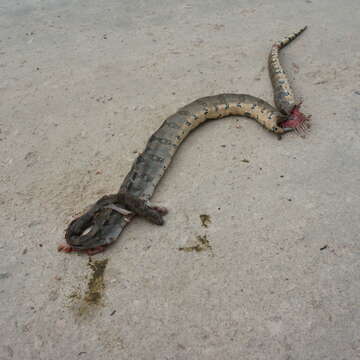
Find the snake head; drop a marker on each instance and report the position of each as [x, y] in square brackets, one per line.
[274, 124]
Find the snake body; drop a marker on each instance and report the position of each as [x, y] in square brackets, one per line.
[104, 224]
[150, 166]
[284, 97]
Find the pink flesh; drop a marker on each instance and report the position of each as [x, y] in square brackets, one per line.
[297, 120]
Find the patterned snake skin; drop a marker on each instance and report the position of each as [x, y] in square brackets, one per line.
[104, 222]
[284, 97]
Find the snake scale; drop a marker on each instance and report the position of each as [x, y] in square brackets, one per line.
[104, 222]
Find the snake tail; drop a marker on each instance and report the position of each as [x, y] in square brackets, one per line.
[284, 97]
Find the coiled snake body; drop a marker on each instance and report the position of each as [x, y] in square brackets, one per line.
[103, 223]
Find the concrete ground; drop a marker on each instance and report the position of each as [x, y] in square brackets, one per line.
[83, 86]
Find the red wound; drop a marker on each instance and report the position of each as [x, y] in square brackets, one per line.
[68, 249]
[297, 121]
[65, 248]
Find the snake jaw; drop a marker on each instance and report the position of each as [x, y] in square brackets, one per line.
[276, 125]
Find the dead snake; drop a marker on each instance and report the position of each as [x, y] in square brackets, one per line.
[104, 222]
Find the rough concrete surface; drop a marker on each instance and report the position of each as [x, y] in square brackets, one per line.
[83, 86]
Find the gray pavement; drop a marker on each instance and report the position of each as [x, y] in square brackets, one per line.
[83, 85]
